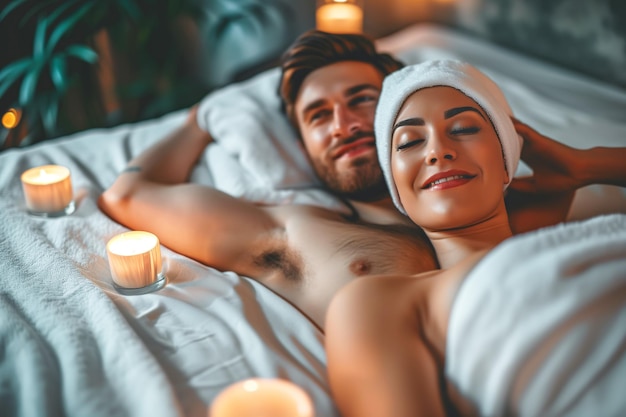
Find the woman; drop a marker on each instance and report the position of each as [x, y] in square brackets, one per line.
[472, 338]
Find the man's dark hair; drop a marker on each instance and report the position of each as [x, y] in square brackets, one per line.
[315, 49]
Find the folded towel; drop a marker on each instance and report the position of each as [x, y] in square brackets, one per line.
[398, 86]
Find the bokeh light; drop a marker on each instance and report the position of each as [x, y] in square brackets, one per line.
[11, 118]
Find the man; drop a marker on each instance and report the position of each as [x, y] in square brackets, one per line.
[330, 87]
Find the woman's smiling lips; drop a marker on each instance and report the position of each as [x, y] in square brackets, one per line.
[447, 179]
[355, 148]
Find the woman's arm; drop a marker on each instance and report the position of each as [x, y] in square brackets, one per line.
[545, 197]
[380, 358]
[560, 168]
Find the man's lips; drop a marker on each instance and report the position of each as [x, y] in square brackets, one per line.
[447, 179]
[354, 148]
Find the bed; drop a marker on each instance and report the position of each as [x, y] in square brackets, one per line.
[73, 345]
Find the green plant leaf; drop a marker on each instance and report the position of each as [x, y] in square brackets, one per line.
[49, 112]
[59, 10]
[27, 90]
[40, 37]
[17, 67]
[66, 25]
[10, 74]
[58, 71]
[82, 52]
[36, 10]
[131, 8]
[10, 7]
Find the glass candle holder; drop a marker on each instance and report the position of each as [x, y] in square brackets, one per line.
[48, 191]
[339, 16]
[135, 263]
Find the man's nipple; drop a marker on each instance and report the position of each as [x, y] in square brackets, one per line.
[360, 267]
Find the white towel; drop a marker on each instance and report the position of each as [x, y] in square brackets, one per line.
[538, 328]
[398, 86]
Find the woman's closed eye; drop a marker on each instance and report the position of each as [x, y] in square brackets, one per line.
[465, 130]
[409, 144]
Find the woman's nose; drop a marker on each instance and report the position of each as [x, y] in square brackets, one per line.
[439, 149]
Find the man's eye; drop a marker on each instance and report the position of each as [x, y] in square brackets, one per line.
[363, 99]
[318, 115]
[409, 144]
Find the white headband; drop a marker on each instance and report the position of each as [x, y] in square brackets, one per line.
[399, 85]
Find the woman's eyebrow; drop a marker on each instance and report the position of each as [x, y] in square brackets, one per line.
[453, 112]
[413, 121]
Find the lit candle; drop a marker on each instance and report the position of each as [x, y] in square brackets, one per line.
[135, 262]
[339, 16]
[262, 397]
[48, 190]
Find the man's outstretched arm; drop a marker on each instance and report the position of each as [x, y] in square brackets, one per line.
[200, 222]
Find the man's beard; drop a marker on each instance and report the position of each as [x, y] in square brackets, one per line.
[364, 181]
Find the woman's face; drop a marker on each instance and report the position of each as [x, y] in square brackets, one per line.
[446, 160]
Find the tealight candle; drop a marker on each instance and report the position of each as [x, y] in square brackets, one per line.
[48, 191]
[339, 16]
[262, 397]
[135, 262]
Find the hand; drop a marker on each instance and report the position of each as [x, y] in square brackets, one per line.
[556, 167]
[192, 115]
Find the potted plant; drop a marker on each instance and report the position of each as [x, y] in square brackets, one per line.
[76, 64]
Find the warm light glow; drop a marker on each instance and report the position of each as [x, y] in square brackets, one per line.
[48, 190]
[262, 397]
[133, 243]
[339, 16]
[11, 118]
[134, 259]
[250, 385]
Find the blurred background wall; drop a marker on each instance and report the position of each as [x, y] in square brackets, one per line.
[150, 58]
[587, 36]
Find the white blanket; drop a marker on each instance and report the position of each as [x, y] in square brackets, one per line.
[73, 346]
[79, 348]
[538, 328]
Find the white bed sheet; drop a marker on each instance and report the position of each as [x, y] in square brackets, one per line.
[84, 349]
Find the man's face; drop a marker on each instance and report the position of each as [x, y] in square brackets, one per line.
[335, 110]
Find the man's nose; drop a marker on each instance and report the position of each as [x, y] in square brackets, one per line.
[345, 122]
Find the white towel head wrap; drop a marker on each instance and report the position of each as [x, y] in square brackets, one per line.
[398, 86]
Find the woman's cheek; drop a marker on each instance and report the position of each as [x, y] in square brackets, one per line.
[404, 174]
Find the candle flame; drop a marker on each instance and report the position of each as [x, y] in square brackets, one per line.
[250, 386]
[133, 243]
[46, 177]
